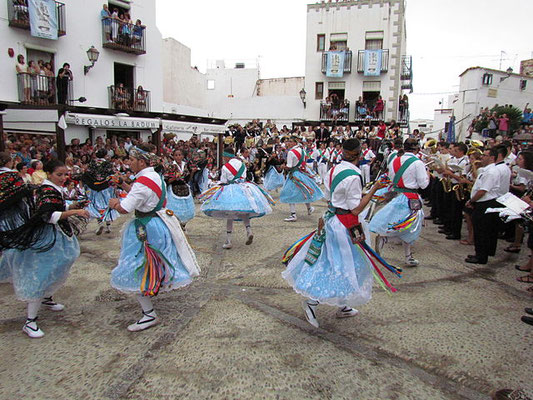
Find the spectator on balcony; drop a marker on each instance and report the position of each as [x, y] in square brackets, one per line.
[64, 76]
[140, 99]
[126, 30]
[378, 108]
[115, 25]
[138, 31]
[405, 102]
[23, 78]
[120, 97]
[344, 110]
[105, 16]
[20, 7]
[49, 73]
[33, 71]
[361, 109]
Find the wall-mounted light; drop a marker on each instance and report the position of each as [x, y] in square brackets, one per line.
[509, 72]
[302, 96]
[92, 55]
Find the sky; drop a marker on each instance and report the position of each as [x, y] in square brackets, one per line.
[445, 37]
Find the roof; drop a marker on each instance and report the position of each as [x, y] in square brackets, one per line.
[494, 70]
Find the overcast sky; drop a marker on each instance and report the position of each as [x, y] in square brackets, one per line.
[444, 37]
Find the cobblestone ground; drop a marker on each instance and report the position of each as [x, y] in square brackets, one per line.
[452, 331]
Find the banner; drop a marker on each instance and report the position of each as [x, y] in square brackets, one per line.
[43, 18]
[372, 62]
[335, 64]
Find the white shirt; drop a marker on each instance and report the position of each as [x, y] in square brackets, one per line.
[56, 215]
[141, 197]
[225, 173]
[368, 154]
[488, 180]
[348, 193]
[462, 163]
[415, 176]
[292, 160]
[510, 159]
[504, 178]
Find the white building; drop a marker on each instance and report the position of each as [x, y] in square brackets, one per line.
[484, 87]
[367, 39]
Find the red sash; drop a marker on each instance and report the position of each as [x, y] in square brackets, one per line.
[348, 220]
[396, 165]
[143, 180]
[231, 169]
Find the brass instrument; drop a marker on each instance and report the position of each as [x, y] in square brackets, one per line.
[432, 145]
[446, 181]
[459, 190]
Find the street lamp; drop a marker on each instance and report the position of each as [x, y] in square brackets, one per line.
[302, 95]
[92, 55]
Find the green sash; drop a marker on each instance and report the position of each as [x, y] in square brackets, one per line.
[340, 177]
[398, 175]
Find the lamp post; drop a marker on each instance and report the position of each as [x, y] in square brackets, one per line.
[302, 96]
[92, 55]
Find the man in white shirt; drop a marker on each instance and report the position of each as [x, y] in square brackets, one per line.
[367, 160]
[491, 183]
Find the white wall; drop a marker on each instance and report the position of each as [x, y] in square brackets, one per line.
[356, 20]
[280, 86]
[83, 30]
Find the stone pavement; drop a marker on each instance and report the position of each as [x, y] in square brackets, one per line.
[452, 331]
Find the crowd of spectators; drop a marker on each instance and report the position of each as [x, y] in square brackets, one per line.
[119, 28]
[497, 121]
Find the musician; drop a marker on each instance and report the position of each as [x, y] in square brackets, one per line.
[490, 184]
[460, 164]
[437, 192]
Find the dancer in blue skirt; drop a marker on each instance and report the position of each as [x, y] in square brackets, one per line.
[235, 199]
[99, 190]
[155, 255]
[179, 193]
[299, 187]
[403, 216]
[47, 247]
[333, 265]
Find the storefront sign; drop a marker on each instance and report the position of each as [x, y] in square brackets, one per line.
[109, 122]
[43, 18]
[192, 128]
[372, 62]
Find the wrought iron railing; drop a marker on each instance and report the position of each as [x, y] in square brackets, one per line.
[384, 61]
[369, 111]
[37, 89]
[19, 16]
[330, 112]
[347, 61]
[119, 35]
[127, 99]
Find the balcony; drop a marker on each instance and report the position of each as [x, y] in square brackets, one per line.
[384, 61]
[329, 112]
[127, 99]
[19, 17]
[41, 90]
[347, 61]
[369, 111]
[406, 73]
[129, 38]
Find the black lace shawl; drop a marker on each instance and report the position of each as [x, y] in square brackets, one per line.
[98, 175]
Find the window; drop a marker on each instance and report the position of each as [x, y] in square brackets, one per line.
[523, 84]
[373, 44]
[210, 84]
[338, 41]
[319, 90]
[487, 79]
[320, 42]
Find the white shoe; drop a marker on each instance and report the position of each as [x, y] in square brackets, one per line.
[250, 240]
[310, 313]
[99, 230]
[292, 218]
[31, 329]
[148, 320]
[411, 261]
[346, 312]
[310, 210]
[227, 245]
[52, 305]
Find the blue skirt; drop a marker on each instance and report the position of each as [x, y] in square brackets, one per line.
[36, 275]
[342, 274]
[291, 193]
[273, 179]
[237, 200]
[183, 207]
[99, 203]
[396, 211]
[124, 276]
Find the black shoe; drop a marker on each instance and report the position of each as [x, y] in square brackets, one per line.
[429, 217]
[475, 260]
[529, 311]
[444, 230]
[437, 221]
[527, 320]
[453, 237]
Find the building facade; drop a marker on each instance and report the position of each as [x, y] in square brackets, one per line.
[357, 49]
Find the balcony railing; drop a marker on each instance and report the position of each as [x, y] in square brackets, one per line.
[369, 111]
[384, 61]
[117, 35]
[126, 99]
[42, 90]
[347, 61]
[19, 16]
[406, 73]
[330, 112]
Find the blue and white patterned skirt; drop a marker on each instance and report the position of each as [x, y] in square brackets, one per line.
[99, 203]
[300, 189]
[273, 179]
[183, 207]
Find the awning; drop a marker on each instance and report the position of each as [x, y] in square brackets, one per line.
[192, 128]
[112, 122]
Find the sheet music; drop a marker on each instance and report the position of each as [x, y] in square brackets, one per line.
[512, 202]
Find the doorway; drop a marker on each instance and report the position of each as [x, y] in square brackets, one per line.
[123, 73]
